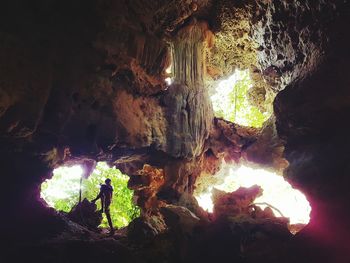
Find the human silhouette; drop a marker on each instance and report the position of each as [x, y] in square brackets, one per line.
[106, 194]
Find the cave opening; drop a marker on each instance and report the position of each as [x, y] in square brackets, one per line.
[231, 101]
[278, 196]
[205, 102]
[69, 190]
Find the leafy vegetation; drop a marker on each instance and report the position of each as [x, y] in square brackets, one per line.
[230, 101]
[123, 209]
[62, 192]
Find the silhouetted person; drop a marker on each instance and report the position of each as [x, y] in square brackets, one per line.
[106, 193]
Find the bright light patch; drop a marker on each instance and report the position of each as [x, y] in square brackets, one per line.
[277, 192]
[62, 191]
[230, 101]
[168, 80]
[65, 181]
[168, 70]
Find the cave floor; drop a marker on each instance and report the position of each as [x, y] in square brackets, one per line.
[221, 241]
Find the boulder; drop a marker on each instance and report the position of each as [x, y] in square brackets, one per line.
[141, 231]
[85, 214]
[179, 218]
[235, 203]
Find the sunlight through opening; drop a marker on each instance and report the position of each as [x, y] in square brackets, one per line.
[230, 101]
[62, 191]
[276, 192]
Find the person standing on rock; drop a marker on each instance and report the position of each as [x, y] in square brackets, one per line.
[106, 194]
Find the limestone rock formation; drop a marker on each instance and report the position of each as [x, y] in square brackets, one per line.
[146, 185]
[179, 218]
[84, 81]
[235, 203]
[189, 109]
[86, 214]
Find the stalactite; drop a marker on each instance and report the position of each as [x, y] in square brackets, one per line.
[188, 52]
[190, 110]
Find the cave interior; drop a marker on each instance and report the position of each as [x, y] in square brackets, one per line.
[136, 85]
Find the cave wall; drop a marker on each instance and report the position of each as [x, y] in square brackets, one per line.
[85, 80]
[277, 41]
[88, 77]
[312, 118]
[101, 87]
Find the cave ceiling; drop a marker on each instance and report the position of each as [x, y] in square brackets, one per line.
[81, 87]
[84, 81]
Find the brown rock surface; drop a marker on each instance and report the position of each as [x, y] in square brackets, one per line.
[146, 185]
[86, 214]
[84, 80]
[236, 203]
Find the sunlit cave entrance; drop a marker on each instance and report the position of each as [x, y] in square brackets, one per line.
[231, 102]
[278, 195]
[68, 188]
[273, 196]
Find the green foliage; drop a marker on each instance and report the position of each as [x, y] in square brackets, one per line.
[62, 192]
[123, 210]
[231, 101]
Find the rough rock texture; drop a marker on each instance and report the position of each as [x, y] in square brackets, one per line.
[312, 118]
[227, 143]
[142, 231]
[277, 41]
[234, 49]
[267, 151]
[189, 108]
[83, 81]
[179, 218]
[146, 185]
[98, 88]
[235, 203]
[85, 214]
[291, 38]
[228, 140]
